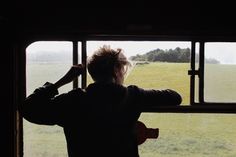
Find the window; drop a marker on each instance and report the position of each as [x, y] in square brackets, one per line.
[202, 72]
[157, 64]
[46, 61]
[220, 72]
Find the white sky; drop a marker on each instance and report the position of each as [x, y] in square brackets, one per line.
[224, 52]
[132, 48]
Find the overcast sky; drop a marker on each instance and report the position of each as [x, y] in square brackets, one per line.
[224, 52]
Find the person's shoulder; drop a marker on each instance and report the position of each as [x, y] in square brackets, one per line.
[134, 88]
[76, 91]
[107, 86]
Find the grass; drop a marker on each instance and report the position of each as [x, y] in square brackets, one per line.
[162, 76]
[181, 135]
[190, 135]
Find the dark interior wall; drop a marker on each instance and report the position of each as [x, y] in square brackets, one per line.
[7, 92]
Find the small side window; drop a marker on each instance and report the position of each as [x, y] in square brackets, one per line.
[220, 72]
[46, 61]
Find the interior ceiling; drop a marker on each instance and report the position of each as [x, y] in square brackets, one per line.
[175, 19]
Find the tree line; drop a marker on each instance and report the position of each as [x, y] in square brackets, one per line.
[176, 55]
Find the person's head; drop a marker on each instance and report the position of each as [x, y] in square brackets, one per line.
[108, 65]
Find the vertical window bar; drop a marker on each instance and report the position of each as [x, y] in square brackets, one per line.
[192, 77]
[75, 61]
[201, 72]
[84, 62]
[20, 87]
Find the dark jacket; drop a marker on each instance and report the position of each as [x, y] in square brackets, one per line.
[97, 121]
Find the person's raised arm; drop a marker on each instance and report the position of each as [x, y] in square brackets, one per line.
[151, 97]
[73, 73]
[42, 107]
[165, 97]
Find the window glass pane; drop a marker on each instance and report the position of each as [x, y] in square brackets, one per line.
[220, 72]
[156, 64]
[197, 47]
[79, 62]
[190, 135]
[196, 94]
[46, 61]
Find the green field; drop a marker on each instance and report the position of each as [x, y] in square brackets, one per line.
[181, 135]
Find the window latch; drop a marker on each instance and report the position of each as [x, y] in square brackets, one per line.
[193, 72]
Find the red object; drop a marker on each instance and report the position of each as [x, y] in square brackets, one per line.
[143, 132]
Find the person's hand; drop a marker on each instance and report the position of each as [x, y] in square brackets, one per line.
[75, 71]
[143, 132]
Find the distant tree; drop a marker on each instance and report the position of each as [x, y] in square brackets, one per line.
[212, 61]
[207, 60]
[176, 55]
[170, 55]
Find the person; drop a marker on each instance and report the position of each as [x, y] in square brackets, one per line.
[99, 120]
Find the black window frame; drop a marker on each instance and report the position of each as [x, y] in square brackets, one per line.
[202, 105]
[193, 107]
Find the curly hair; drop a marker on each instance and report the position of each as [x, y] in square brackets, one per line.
[105, 62]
